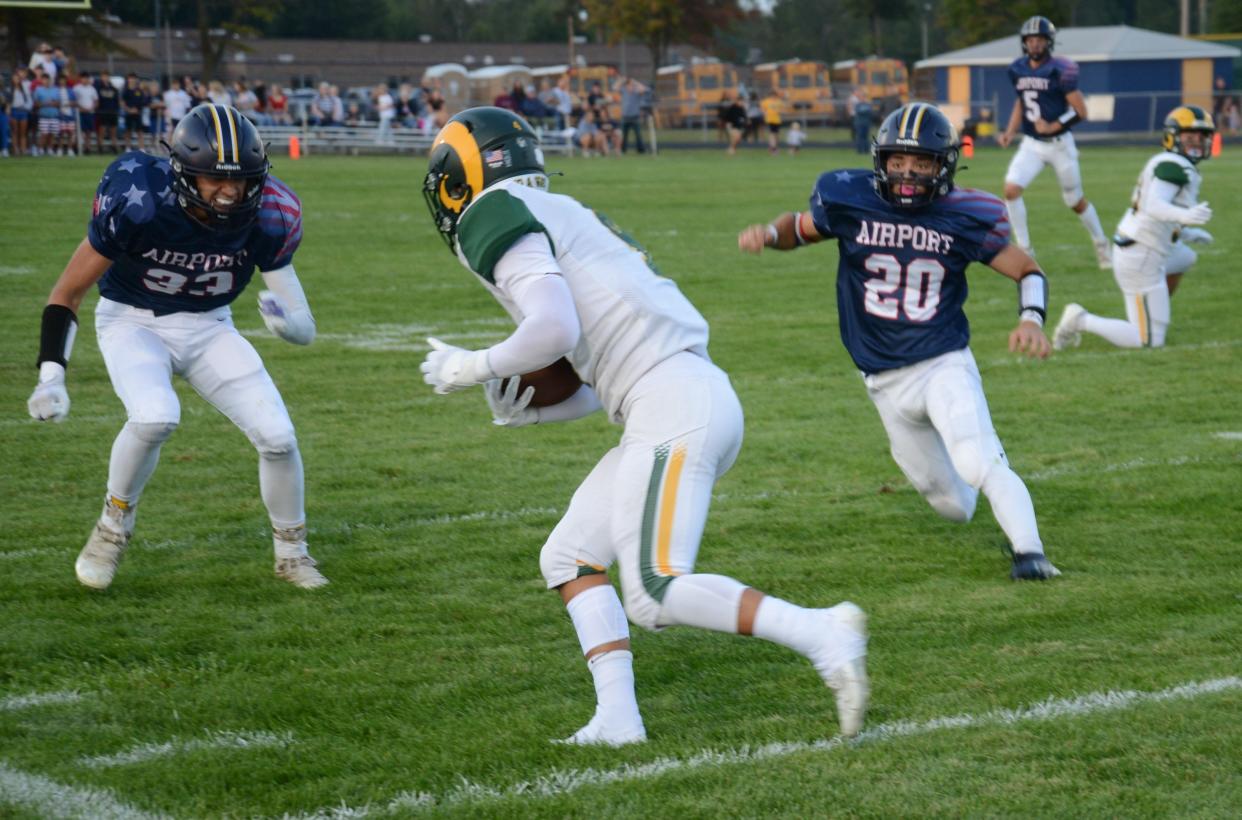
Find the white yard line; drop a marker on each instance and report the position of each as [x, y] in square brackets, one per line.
[567, 781]
[213, 740]
[47, 798]
[1228, 435]
[15, 702]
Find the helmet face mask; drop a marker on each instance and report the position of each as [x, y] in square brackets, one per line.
[217, 142]
[1189, 119]
[1038, 26]
[919, 129]
[476, 149]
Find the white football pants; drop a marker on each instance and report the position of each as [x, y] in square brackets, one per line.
[645, 503]
[142, 351]
[941, 435]
[1059, 152]
[1140, 273]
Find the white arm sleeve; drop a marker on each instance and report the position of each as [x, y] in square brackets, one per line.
[299, 323]
[550, 328]
[582, 403]
[1158, 203]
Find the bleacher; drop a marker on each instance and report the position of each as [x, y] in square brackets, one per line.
[362, 139]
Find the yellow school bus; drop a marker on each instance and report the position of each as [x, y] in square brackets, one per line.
[886, 81]
[686, 92]
[805, 85]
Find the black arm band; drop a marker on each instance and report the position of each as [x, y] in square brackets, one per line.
[1033, 294]
[60, 327]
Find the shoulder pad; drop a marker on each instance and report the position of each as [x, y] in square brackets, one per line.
[1171, 171]
[490, 226]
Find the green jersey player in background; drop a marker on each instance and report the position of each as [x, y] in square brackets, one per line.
[1150, 253]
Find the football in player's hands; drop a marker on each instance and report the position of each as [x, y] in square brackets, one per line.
[553, 384]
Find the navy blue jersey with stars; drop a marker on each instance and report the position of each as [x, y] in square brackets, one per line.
[167, 261]
[901, 278]
[1041, 90]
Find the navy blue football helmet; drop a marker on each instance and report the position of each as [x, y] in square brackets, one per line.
[1038, 26]
[217, 141]
[916, 128]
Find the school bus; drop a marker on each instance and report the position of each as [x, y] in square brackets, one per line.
[805, 84]
[886, 81]
[686, 92]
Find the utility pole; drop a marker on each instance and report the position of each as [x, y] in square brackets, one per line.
[1184, 29]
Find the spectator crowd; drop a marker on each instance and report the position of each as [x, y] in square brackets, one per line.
[50, 108]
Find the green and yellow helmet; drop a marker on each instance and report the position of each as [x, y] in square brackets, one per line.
[1188, 118]
[473, 151]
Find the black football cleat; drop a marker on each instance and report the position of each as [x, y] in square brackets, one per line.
[1032, 566]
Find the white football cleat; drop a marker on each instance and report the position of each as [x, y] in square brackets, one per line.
[1069, 329]
[301, 572]
[596, 733]
[842, 663]
[1104, 255]
[97, 562]
[293, 563]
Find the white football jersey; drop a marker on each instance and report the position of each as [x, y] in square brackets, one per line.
[632, 318]
[1138, 224]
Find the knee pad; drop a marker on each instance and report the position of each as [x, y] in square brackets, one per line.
[971, 463]
[1072, 196]
[956, 506]
[151, 432]
[642, 610]
[274, 444]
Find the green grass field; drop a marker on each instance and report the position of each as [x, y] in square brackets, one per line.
[430, 676]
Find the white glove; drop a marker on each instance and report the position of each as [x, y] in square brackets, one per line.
[508, 408]
[295, 327]
[50, 399]
[448, 368]
[1198, 215]
[273, 312]
[1196, 236]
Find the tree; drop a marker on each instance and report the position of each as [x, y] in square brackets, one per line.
[979, 21]
[221, 22]
[873, 11]
[658, 24]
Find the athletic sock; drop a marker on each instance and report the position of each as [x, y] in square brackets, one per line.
[1013, 508]
[1017, 219]
[1091, 221]
[1117, 331]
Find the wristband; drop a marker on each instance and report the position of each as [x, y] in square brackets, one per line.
[1031, 316]
[1068, 120]
[59, 329]
[1033, 295]
[773, 236]
[799, 239]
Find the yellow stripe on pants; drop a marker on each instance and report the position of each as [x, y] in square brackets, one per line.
[668, 505]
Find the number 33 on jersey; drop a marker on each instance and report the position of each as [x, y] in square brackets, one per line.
[166, 263]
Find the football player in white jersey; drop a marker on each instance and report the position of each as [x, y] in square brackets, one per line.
[1049, 104]
[579, 288]
[1150, 253]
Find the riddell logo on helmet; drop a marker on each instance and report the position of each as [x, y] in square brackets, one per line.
[227, 166]
[907, 141]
